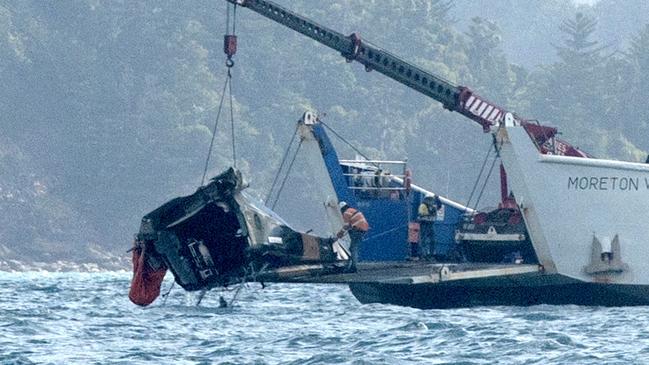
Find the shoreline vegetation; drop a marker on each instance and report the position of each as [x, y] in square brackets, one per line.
[108, 107]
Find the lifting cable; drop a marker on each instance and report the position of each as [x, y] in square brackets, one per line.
[493, 163]
[230, 49]
[216, 124]
[477, 181]
[347, 142]
[493, 147]
[290, 166]
[486, 180]
[234, 151]
[281, 166]
[288, 171]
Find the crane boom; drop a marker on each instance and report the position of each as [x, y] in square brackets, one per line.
[353, 48]
[456, 98]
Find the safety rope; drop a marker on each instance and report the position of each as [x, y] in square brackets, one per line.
[398, 228]
[281, 165]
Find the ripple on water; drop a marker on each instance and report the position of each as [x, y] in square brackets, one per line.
[73, 318]
[15, 358]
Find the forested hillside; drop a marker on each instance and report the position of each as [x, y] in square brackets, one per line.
[107, 107]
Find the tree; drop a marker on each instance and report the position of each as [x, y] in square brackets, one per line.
[571, 93]
[489, 70]
[633, 109]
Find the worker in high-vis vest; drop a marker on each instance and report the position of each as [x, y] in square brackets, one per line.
[426, 215]
[356, 225]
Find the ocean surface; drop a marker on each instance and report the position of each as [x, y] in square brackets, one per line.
[83, 318]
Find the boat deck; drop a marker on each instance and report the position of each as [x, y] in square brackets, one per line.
[405, 272]
[427, 285]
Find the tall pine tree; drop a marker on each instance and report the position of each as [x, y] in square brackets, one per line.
[571, 92]
[634, 104]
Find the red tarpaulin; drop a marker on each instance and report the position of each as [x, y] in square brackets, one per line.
[146, 283]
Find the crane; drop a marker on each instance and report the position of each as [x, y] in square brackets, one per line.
[479, 227]
[460, 99]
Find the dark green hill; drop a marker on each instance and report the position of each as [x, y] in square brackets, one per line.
[106, 108]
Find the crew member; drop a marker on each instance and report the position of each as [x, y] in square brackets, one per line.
[426, 215]
[354, 223]
[378, 183]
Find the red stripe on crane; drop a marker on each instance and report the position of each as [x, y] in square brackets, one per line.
[495, 115]
[486, 112]
[469, 102]
[476, 106]
[482, 108]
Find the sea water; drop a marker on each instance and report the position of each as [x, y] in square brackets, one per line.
[84, 318]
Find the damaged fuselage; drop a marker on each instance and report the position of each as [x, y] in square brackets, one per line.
[219, 236]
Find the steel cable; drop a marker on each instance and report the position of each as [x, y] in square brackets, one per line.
[484, 185]
[347, 142]
[216, 124]
[288, 171]
[477, 181]
[234, 151]
[281, 166]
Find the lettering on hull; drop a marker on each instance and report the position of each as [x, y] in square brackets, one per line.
[608, 183]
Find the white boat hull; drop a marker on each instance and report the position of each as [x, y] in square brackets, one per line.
[572, 206]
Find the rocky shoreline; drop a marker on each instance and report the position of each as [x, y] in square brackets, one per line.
[14, 266]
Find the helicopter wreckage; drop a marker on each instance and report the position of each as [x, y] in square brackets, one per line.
[220, 236]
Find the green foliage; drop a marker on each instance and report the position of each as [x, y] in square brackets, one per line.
[111, 105]
[487, 62]
[581, 93]
[633, 113]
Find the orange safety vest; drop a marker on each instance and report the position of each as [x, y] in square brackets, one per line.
[355, 219]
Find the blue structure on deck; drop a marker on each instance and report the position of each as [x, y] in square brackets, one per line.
[387, 204]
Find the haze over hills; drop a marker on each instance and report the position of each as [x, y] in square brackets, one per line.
[530, 28]
[107, 108]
